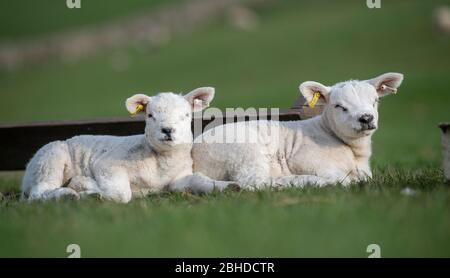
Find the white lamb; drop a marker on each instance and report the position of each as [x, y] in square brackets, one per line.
[334, 147]
[118, 167]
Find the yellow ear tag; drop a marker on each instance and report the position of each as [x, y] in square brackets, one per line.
[139, 108]
[314, 100]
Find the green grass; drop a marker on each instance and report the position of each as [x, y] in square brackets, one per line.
[294, 42]
[293, 222]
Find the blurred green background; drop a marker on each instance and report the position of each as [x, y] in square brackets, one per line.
[255, 53]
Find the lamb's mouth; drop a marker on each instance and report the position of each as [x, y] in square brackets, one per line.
[167, 139]
[367, 127]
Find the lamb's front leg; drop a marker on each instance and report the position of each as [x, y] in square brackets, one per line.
[259, 181]
[199, 183]
[113, 184]
[84, 186]
[298, 181]
[363, 175]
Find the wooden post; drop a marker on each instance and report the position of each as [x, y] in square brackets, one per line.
[445, 127]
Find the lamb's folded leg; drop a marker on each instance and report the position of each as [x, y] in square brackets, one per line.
[85, 186]
[113, 184]
[61, 193]
[46, 174]
[257, 182]
[298, 181]
[203, 184]
[82, 183]
[199, 183]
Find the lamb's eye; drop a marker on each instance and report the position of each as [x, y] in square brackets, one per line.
[150, 115]
[341, 107]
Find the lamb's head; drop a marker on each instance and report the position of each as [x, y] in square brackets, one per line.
[168, 115]
[351, 107]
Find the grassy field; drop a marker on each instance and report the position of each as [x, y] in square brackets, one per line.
[294, 41]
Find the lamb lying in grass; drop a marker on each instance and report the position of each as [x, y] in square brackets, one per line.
[116, 167]
[331, 148]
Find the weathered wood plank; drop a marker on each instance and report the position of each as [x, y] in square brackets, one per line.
[305, 111]
[19, 142]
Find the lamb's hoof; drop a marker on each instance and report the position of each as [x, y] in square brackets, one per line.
[91, 195]
[233, 187]
[96, 196]
[68, 196]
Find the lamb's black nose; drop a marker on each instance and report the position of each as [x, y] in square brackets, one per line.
[167, 130]
[366, 119]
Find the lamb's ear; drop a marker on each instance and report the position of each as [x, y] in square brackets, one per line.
[137, 103]
[309, 88]
[200, 98]
[387, 83]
